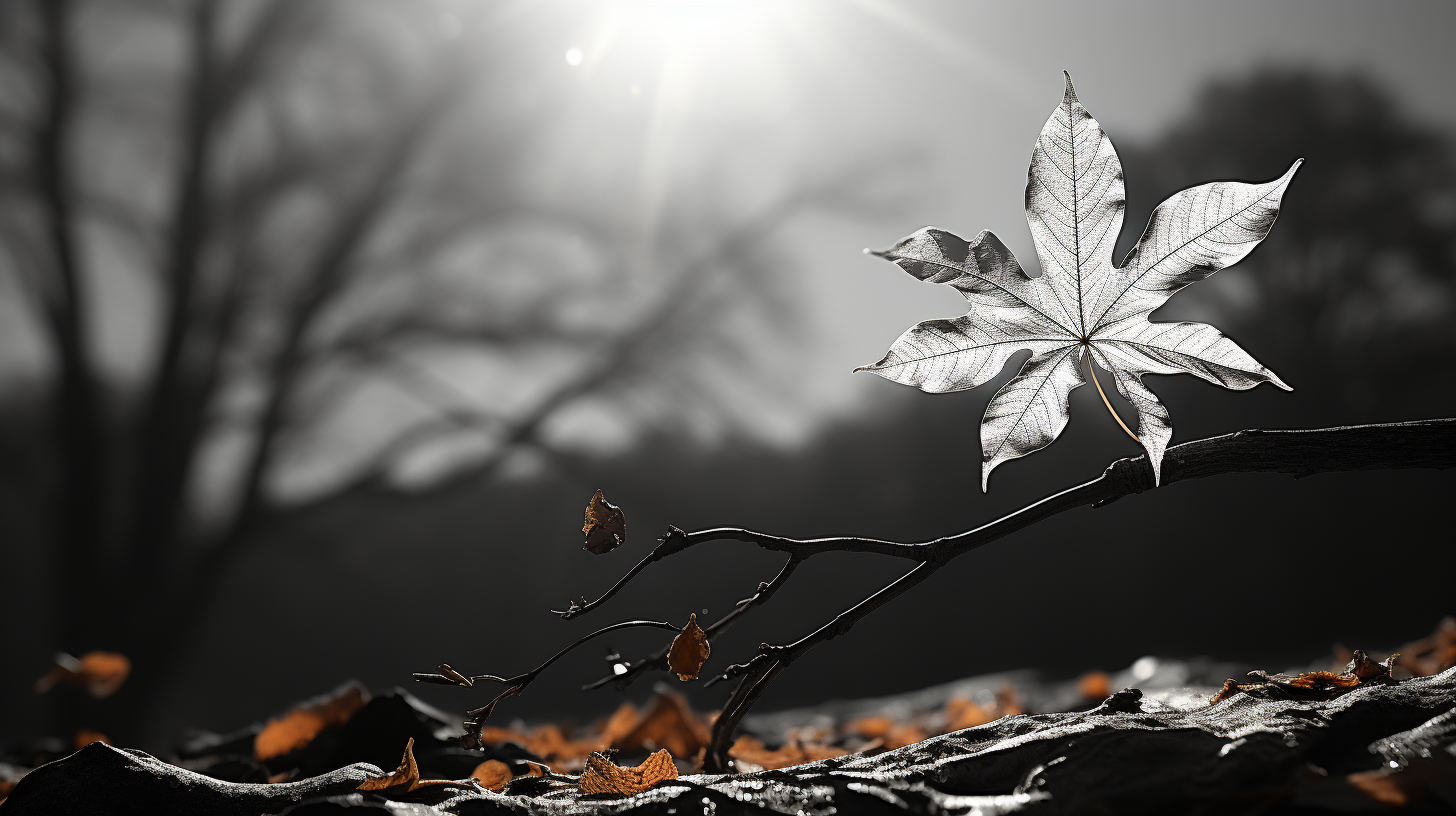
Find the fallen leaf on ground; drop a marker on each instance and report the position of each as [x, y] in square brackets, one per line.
[101, 674]
[297, 728]
[407, 775]
[552, 743]
[495, 735]
[1315, 684]
[1094, 685]
[86, 736]
[963, 713]
[492, 774]
[620, 724]
[1433, 654]
[752, 750]
[689, 650]
[669, 723]
[604, 776]
[605, 527]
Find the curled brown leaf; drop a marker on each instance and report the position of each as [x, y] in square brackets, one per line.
[670, 723]
[605, 527]
[749, 750]
[604, 776]
[101, 674]
[86, 736]
[406, 776]
[689, 650]
[492, 774]
[297, 728]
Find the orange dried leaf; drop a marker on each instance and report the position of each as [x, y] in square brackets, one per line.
[963, 713]
[1230, 688]
[689, 650]
[605, 527]
[1322, 681]
[1095, 685]
[493, 735]
[902, 735]
[407, 775]
[604, 776]
[101, 674]
[297, 728]
[1007, 705]
[873, 727]
[86, 736]
[747, 749]
[492, 774]
[554, 745]
[669, 723]
[620, 724]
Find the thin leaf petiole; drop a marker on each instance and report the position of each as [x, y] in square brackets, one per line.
[1092, 369]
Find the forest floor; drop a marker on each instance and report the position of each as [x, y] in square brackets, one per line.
[1351, 733]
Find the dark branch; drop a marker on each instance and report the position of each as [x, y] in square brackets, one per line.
[658, 660]
[516, 685]
[1420, 444]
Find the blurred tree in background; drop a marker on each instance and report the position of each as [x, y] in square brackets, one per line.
[310, 213]
[1357, 293]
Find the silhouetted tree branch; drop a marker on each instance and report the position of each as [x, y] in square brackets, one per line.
[1418, 444]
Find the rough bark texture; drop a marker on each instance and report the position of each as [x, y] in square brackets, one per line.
[1360, 752]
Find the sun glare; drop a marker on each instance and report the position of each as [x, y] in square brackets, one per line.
[574, 56]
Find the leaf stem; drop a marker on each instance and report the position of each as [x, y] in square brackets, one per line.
[1092, 369]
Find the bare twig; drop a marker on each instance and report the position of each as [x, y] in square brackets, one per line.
[448, 676]
[1419, 444]
[658, 660]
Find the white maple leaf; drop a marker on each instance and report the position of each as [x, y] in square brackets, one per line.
[1082, 306]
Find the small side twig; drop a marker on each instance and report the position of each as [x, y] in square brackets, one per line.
[448, 676]
[1420, 444]
[658, 660]
[772, 660]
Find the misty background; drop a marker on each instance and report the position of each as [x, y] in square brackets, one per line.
[321, 321]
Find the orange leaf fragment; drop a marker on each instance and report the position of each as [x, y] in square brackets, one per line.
[751, 750]
[668, 723]
[407, 775]
[961, 712]
[1095, 685]
[622, 722]
[86, 736]
[555, 745]
[297, 728]
[101, 674]
[604, 776]
[605, 527]
[492, 774]
[689, 650]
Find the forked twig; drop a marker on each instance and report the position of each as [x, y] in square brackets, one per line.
[1419, 444]
[448, 676]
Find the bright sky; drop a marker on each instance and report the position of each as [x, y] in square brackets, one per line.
[649, 109]
[966, 86]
